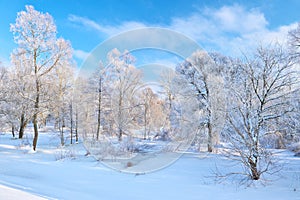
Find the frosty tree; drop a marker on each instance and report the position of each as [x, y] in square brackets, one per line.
[259, 94]
[8, 115]
[152, 112]
[294, 119]
[21, 95]
[38, 47]
[98, 89]
[125, 80]
[180, 108]
[205, 83]
[294, 40]
[61, 95]
[169, 90]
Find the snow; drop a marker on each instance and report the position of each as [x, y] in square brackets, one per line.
[11, 193]
[66, 173]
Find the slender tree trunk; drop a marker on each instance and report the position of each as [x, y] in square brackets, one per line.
[36, 105]
[71, 121]
[210, 138]
[22, 126]
[62, 138]
[146, 121]
[120, 134]
[76, 128]
[36, 131]
[210, 133]
[61, 130]
[120, 120]
[99, 108]
[13, 130]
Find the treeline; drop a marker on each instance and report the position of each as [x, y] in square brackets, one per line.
[250, 103]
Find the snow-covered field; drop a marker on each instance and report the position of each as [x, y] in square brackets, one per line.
[56, 173]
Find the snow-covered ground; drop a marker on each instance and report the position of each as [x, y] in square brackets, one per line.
[56, 173]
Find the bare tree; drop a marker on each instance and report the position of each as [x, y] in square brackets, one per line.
[260, 94]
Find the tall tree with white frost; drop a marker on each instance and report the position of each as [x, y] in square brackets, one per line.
[260, 94]
[125, 81]
[61, 95]
[35, 34]
[7, 109]
[99, 98]
[22, 84]
[294, 119]
[205, 84]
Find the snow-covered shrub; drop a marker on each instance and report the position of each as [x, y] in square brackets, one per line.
[25, 142]
[63, 153]
[295, 147]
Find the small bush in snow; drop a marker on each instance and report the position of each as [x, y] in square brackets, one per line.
[62, 153]
[295, 147]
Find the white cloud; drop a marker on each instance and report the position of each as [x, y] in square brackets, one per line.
[108, 30]
[236, 19]
[80, 54]
[229, 29]
[86, 22]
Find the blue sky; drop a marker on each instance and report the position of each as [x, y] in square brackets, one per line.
[223, 25]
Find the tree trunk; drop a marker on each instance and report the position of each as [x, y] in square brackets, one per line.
[280, 144]
[99, 110]
[76, 128]
[210, 138]
[99, 107]
[36, 132]
[62, 138]
[146, 121]
[35, 116]
[120, 134]
[120, 120]
[71, 121]
[22, 126]
[13, 130]
[253, 167]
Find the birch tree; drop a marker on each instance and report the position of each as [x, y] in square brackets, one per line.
[35, 34]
